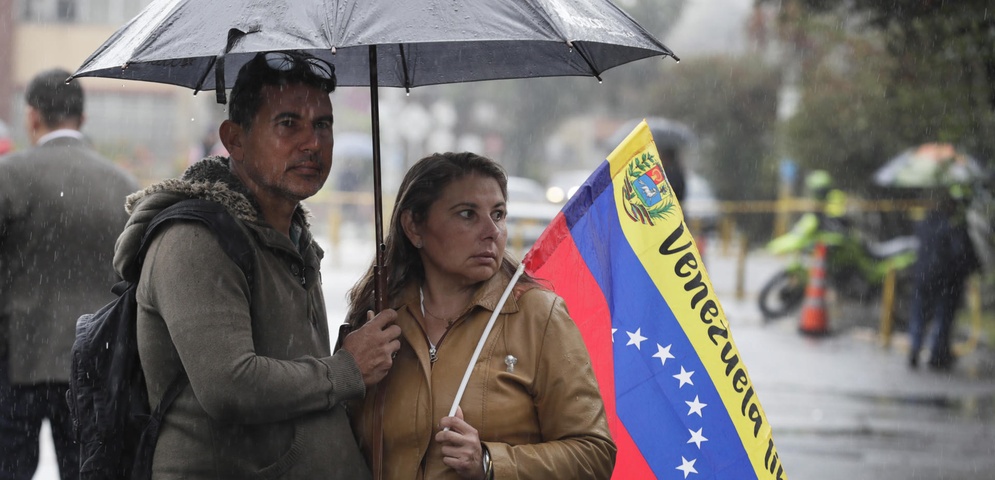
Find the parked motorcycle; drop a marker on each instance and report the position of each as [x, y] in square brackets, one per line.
[855, 267]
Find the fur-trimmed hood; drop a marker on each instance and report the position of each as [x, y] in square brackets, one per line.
[209, 179]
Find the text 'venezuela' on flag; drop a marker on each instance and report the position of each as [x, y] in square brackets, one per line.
[680, 403]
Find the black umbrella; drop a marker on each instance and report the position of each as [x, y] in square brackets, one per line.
[666, 132]
[380, 43]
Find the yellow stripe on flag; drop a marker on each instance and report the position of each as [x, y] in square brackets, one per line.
[654, 225]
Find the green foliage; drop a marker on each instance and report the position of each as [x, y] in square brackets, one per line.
[846, 125]
[881, 76]
[731, 104]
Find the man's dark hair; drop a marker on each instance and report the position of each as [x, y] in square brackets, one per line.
[246, 95]
[53, 98]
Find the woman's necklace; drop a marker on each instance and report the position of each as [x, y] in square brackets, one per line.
[433, 353]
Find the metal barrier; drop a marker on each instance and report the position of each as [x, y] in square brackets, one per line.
[731, 212]
[330, 204]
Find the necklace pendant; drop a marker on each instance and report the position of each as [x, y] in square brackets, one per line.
[432, 355]
[510, 361]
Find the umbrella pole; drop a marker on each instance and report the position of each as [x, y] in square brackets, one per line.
[378, 275]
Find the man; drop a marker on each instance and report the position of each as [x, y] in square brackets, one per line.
[265, 392]
[61, 207]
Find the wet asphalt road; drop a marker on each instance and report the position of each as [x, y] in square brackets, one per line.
[844, 407]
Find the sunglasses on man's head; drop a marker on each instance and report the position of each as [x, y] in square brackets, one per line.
[285, 62]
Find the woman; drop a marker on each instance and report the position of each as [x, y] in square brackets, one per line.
[532, 408]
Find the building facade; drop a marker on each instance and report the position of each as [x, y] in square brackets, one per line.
[149, 128]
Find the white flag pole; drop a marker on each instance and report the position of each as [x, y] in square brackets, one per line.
[483, 338]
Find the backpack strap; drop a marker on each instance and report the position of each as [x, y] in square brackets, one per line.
[142, 465]
[226, 230]
[234, 242]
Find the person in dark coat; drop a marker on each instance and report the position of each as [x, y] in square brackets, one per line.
[945, 259]
[61, 208]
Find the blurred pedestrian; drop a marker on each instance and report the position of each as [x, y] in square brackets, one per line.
[673, 168]
[208, 145]
[532, 407]
[6, 144]
[61, 208]
[265, 392]
[945, 259]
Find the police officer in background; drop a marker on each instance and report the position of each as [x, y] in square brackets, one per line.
[945, 259]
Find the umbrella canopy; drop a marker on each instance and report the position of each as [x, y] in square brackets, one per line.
[929, 165]
[420, 42]
[203, 44]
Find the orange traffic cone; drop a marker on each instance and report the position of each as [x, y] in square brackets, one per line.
[814, 319]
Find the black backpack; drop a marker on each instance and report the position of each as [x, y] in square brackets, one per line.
[108, 401]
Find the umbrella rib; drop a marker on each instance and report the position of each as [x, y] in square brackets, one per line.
[404, 69]
[590, 65]
[200, 83]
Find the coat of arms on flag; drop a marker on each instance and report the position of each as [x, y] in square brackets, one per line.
[648, 196]
[680, 402]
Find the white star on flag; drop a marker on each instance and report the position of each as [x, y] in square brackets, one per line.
[635, 338]
[687, 467]
[696, 406]
[663, 353]
[613, 334]
[684, 377]
[697, 438]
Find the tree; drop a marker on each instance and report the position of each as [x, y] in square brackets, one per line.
[880, 76]
[731, 104]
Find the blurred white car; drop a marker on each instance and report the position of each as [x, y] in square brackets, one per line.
[528, 213]
[564, 183]
[700, 205]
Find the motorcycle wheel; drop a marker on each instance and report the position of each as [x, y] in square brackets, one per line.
[782, 294]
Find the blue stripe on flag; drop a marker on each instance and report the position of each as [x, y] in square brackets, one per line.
[645, 386]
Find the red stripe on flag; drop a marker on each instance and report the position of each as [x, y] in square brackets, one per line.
[564, 268]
